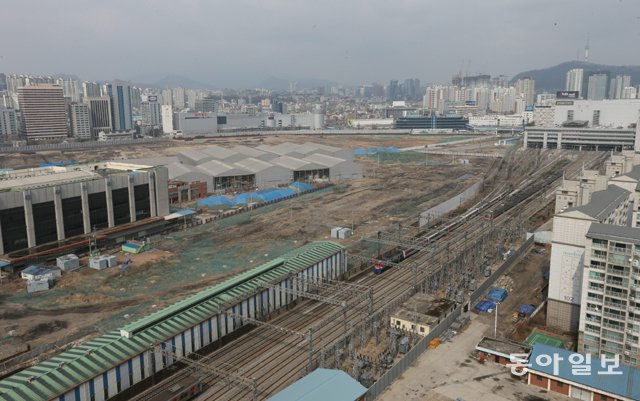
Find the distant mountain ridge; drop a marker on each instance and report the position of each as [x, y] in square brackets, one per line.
[553, 79]
[174, 81]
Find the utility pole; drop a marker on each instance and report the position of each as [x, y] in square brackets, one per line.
[495, 324]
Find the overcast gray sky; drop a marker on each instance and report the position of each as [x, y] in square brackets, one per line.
[241, 42]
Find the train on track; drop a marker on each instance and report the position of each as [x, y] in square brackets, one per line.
[492, 208]
[185, 389]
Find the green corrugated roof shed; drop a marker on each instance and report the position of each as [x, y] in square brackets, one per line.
[63, 372]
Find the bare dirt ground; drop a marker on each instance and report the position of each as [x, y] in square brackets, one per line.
[87, 302]
[449, 373]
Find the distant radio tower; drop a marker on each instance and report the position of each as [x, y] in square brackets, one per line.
[586, 50]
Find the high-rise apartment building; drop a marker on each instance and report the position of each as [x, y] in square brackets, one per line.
[43, 112]
[178, 98]
[167, 97]
[70, 89]
[167, 118]
[610, 206]
[100, 113]
[526, 88]
[3, 82]
[610, 307]
[120, 94]
[597, 86]
[91, 89]
[617, 86]
[80, 117]
[574, 80]
[8, 122]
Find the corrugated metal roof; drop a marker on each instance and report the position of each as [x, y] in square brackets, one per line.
[218, 152]
[626, 384]
[326, 160]
[71, 368]
[321, 385]
[220, 169]
[253, 165]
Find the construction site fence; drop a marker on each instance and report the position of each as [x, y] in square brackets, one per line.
[410, 357]
[80, 145]
[450, 204]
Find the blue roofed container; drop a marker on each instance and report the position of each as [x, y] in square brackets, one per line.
[321, 385]
[497, 294]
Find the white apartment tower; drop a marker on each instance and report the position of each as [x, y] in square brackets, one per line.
[574, 80]
[610, 312]
[568, 251]
[80, 121]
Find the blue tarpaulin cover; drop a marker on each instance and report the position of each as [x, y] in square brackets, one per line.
[215, 201]
[373, 151]
[485, 306]
[301, 186]
[526, 309]
[497, 294]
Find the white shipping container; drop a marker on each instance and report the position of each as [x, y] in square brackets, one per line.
[344, 233]
[37, 285]
[335, 231]
[68, 262]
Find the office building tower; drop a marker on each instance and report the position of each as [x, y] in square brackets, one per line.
[208, 104]
[610, 307]
[120, 94]
[91, 89]
[617, 85]
[392, 90]
[526, 88]
[151, 111]
[100, 113]
[43, 112]
[597, 86]
[178, 98]
[167, 118]
[3, 82]
[8, 123]
[574, 80]
[80, 118]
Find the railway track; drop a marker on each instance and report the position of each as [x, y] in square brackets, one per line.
[274, 359]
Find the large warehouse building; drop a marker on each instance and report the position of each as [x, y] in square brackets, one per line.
[111, 364]
[265, 166]
[47, 204]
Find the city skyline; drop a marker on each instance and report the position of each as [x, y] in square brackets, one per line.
[244, 44]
